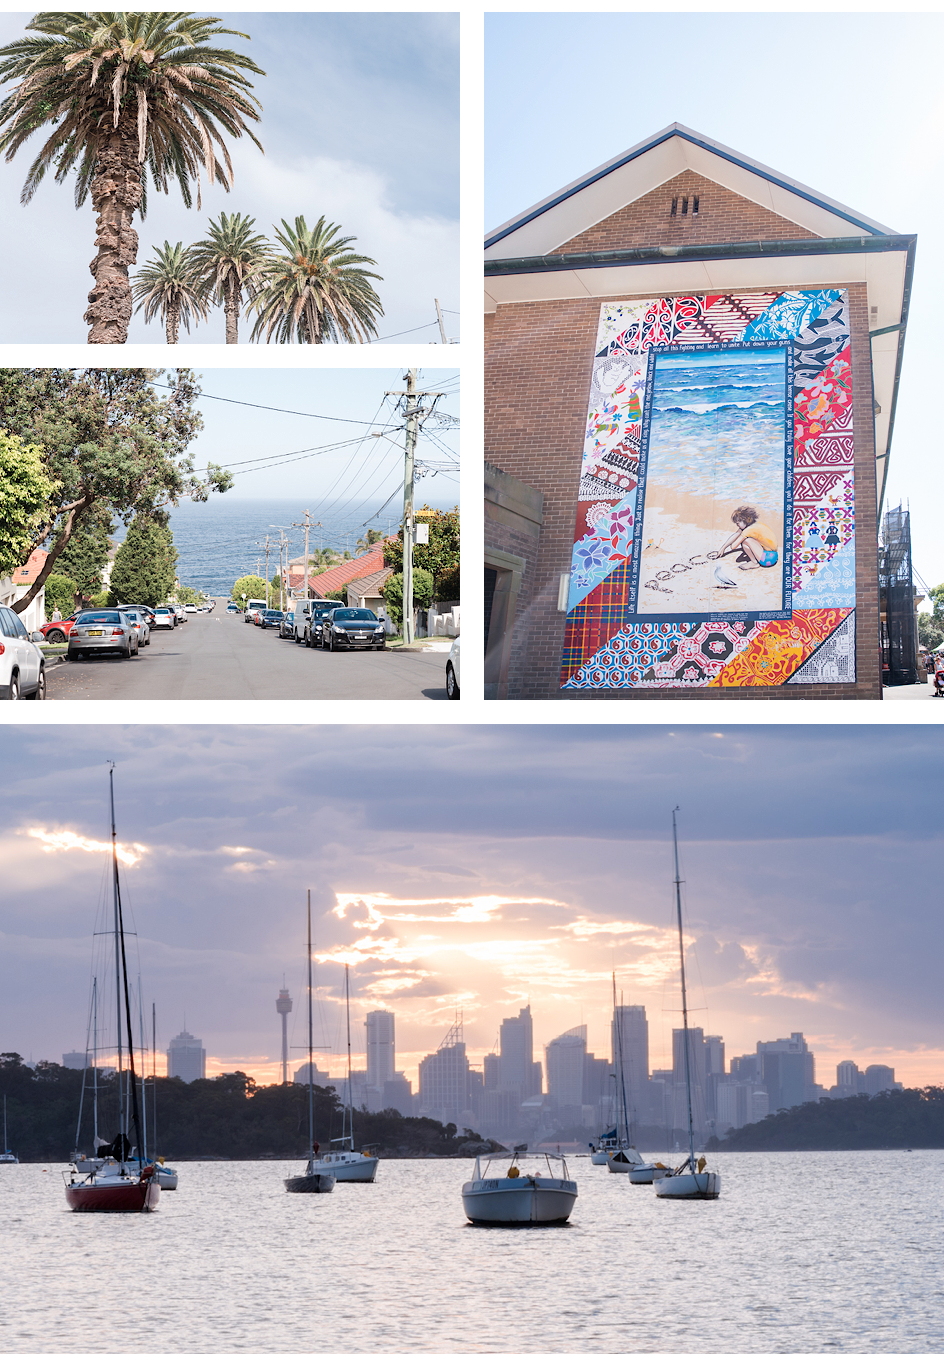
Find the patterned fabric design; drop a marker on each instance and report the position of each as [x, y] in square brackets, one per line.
[779, 649]
[666, 655]
[790, 314]
[834, 660]
[604, 647]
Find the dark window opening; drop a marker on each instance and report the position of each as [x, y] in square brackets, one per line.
[674, 207]
[694, 205]
[491, 580]
[685, 206]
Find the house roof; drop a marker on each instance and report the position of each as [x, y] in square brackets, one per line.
[640, 169]
[345, 572]
[371, 584]
[31, 570]
[848, 247]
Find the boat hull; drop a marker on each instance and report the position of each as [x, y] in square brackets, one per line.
[167, 1180]
[623, 1160]
[318, 1184]
[598, 1158]
[689, 1186]
[351, 1167]
[519, 1200]
[645, 1174]
[127, 1197]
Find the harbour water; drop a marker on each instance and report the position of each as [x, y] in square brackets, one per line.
[803, 1253]
[220, 540]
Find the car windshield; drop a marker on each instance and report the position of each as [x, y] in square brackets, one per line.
[354, 614]
[99, 618]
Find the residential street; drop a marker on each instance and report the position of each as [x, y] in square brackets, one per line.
[218, 657]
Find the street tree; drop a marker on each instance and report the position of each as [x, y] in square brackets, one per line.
[86, 554]
[440, 557]
[144, 569]
[316, 290]
[228, 260]
[167, 287]
[249, 586]
[111, 443]
[393, 594]
[364, 543]
[26, 491]
[61, 592]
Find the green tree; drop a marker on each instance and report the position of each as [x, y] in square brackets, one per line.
[365, 542]
[316, 291]
[26, 491]
[338, 594]
[931, 624]
[230, 259]
[393, 593]
[249, 586]
[185, 595]
[86, 554]
[144, 564]
[440, 557]
[166, 287]
[129, 97]
[111, 443]
[61, 592]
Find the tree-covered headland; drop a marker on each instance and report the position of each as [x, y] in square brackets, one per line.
[224, 1117]
[912, 1118]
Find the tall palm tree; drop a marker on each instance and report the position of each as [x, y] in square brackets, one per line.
[316, 292]
[129, 97]
[229, 258]
[168, 287]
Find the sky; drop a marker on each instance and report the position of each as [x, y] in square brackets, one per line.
[470, 870]
[302, 410]
[849, 111]
[359, 123]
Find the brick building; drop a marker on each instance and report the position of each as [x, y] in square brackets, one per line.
[692, 365]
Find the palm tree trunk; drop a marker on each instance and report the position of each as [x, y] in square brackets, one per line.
[173, 324]
[231, 304]
[116, 197]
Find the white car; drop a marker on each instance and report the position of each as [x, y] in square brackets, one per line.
[452, 671]
[22, 663]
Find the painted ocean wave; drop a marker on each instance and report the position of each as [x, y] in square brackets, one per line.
[718, 407]
[731, 451]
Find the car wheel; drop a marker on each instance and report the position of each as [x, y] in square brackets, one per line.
[15, 694]
[126, 654]
[39, 694]
[55, 637]
[452, 687]
[330, 646]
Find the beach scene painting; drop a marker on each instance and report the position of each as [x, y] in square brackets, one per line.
[711, 536]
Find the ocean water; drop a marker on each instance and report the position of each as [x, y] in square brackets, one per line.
[717, 426]
[222, 539]
[803, 1253]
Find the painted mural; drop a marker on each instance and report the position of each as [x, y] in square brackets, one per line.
[714, 544]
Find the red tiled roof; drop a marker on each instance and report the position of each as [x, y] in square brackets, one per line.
[31, 570]
[345, 572]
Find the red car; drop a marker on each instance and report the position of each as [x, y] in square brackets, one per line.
[57, 632]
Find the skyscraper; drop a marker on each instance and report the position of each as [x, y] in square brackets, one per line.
[186, 1057]
[516, 1057]
[381, 1048]
[631, 1023]
[565, 1065]
[444, 1080]
[788, 1071]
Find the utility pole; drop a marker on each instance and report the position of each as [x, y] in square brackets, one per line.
[442, 325]
[307, 525]
[412, 412]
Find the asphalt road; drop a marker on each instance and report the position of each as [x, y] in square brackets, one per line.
[218, 657]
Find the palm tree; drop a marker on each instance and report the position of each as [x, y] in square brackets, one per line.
[228, 259]
[168, 288]
[316, 292]
[129, 97]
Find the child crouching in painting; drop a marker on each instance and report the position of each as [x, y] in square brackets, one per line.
[755, 541]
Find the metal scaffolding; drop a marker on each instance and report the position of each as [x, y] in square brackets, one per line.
[899, 641]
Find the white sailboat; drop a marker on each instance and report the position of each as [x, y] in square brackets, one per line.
[623, 1157]
[6, 1155]
[691, 1180]
[344, 1162]
[313, 1181]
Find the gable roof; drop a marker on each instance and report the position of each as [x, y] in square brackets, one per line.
[523, 264]
[345, 572]
[605, 190]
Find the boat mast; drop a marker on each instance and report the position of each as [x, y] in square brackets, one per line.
[88, 1035]
[688, 1065]
[94, 1062]
[124, 974]
[154, 1073]
[143, 1073]
[350, 1094]
[311, 1079]
[114, 862]
[625, 1136]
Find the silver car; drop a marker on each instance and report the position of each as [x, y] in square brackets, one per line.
[100, 631]
[139, 621]
[165, 618]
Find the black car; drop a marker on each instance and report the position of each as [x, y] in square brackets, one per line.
[271, 617]
[287, 627]
[352, 628]
[319, 610]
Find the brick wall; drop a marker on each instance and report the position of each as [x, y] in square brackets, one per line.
[723, 216]
[537, 385]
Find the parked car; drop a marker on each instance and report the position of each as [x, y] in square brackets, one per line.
[287, 626]
[141, 624]
[22, 666]
[190, 607]
[100, 631]
[452, 671]
[256, 616]
[165, 618]
[232, 607]
[253, 605]
[179, 612]
[309, 613]
[352, 628]
[270, 617]
[57, 632]
[142, 607]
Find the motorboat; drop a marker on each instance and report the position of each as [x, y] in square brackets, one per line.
[501, 1192]
[121, 1184]
[315, 1180]
[647, 1172]
[606, 1144]
[624, 1160]
[691, 1180]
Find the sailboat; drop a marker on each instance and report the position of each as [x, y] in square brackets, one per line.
[6, 1155]
[691, 1180]
[314, 1181]
[345, 1163]
[117, 1185]
[622, 1157]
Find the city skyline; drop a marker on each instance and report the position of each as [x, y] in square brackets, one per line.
[476, 869]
